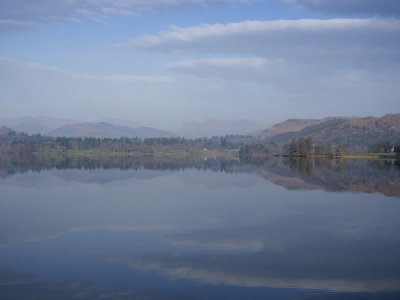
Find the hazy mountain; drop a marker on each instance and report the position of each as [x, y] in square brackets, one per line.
[354, 131]
[34, 125]
[216, 127]
[104, 130]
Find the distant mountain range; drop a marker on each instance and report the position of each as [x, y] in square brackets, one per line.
[115, 128]
[353, 131]
[104, 130]
[215, 127]
[35, 125]
[64, 127]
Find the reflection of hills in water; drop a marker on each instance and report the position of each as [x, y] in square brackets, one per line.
[367, 176]
[242, 238]
[355, 175]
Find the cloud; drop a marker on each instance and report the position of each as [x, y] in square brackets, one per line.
[13, 23]
[252, 63]
[75, 10]
[390, 8]
[218, 67]
[125, 78]
[297, 55]
[10, 25]
[108, 78]
[348, 60]
[362, 42]
[273, 72]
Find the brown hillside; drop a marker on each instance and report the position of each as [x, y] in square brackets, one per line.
[387, 123]
[354, 131]
[291, 125]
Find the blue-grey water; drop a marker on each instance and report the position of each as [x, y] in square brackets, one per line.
[209, 230]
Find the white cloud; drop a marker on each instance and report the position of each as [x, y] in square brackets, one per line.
[255, 69]
[13, 23]
[125, 78]
[8, 25]
[260, 31]
[108, 78]
[361, 43]
[319, 62]
[74, 10]
[229, 63]
[281, 75]
[349, 7]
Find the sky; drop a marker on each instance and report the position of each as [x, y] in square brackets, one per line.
[166, 62]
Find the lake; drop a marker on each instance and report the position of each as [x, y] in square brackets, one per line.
[207, 229]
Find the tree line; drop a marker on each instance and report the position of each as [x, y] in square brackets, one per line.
[249, 146]
[384, 147]
[305, 147]
[24, 144]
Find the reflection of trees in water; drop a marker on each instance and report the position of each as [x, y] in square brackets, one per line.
[385, 165]
[305, 166]
[301, 166]
[312, 173]
[359, 175]
[367, 176]
[13, 164]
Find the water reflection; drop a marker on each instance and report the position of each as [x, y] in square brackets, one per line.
[199, 229]
[19, 286]
[337, 175]
[313, 260]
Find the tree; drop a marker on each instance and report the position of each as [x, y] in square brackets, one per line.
[324, 148]
[257, 150]
[397, 148]
[223, 141]
[294, 148]
[340, 148]
[302, 146]
[382, 147]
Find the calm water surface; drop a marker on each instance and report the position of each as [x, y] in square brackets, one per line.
[211, 230]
